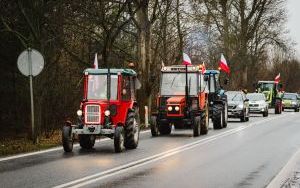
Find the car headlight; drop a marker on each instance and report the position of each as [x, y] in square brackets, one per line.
[240, 106]
[79, 113]
[294, 103]
[177, 108]
[106, 112]
[170, 108]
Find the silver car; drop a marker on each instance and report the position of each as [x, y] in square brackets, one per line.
[258, 104]
[238, 105]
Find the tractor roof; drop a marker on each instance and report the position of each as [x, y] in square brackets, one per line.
[272, 82]
[180, 68]
[212, 72]
[127, 72]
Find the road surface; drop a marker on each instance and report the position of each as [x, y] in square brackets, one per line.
[247, 154]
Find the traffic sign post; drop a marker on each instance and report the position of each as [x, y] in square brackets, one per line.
[31, 63]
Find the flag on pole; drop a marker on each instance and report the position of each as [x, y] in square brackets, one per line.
[277, 78]
[223, 64]
[203, 68]
[186, 60]
[96, 62]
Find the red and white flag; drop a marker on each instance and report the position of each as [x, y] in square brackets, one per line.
[223, 64]
[277, 78]
[203, 69]
[186, 60]
[96, 62]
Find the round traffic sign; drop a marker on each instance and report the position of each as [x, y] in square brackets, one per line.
[30, 62]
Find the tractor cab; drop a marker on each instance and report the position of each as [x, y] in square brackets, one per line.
[273, 93]
[181, 101]
[108, 108]
[217, 98]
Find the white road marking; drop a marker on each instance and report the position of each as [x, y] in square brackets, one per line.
[52, 149]
[133, 165]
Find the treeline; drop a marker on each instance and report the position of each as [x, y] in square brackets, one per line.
[250, 33]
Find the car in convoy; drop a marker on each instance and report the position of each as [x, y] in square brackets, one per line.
[238, 105]
[290, 101]
[258, 104]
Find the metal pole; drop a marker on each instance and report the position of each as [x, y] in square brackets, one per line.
[31, 97]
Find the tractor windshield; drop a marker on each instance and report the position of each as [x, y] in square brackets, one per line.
[174, 84]
[97, 87]
[266, 86]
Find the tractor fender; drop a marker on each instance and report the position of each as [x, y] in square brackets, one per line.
[68, 123]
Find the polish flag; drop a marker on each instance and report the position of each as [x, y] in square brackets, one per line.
[186, 60]
[203, 68]
[277, 78]
[223, 64]
[96, 62]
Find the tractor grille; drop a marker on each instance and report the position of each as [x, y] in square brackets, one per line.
[92, 114]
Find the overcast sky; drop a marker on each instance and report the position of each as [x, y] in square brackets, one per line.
[294, 22]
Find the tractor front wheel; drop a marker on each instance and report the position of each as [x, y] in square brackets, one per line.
[197, 126]
[119, 139]
[87, 141]
[132, 131]
[154, 127]
[67, 138]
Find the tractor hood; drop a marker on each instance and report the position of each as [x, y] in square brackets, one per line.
[176, 100]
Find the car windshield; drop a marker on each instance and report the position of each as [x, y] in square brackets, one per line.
[234, 96]
[174, 84]
[266, 86]
[290, 96]
[97, 87]
[256, 97]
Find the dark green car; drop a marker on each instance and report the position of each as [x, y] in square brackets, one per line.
[290, 101]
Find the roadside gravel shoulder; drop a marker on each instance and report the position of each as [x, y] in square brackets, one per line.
[289, 176]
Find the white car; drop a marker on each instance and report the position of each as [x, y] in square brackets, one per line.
[258, 104]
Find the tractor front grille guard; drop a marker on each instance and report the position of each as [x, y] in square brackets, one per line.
[92, 114]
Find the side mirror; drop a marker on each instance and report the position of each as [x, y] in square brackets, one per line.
[206, 77]
[246, 100]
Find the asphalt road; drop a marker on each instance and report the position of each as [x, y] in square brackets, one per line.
[242, 155]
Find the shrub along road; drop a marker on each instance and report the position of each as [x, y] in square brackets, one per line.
[243, 155]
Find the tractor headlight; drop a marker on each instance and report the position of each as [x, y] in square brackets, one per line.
[106, 112]
[79, 113]
[170, 108]
[177, 108]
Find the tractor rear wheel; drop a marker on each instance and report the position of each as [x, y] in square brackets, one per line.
[119, 139]
[67, 138]
[87, 141]
[278, 107]
[165, 129]
[218, 116]
[153, 125]
[197, 126]
[132, 131]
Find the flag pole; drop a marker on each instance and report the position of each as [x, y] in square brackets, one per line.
[186, 87]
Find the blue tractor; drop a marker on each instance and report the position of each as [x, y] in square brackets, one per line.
[217, 99]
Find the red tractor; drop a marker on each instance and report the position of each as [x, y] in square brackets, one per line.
[108, 108]
[182, 101]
